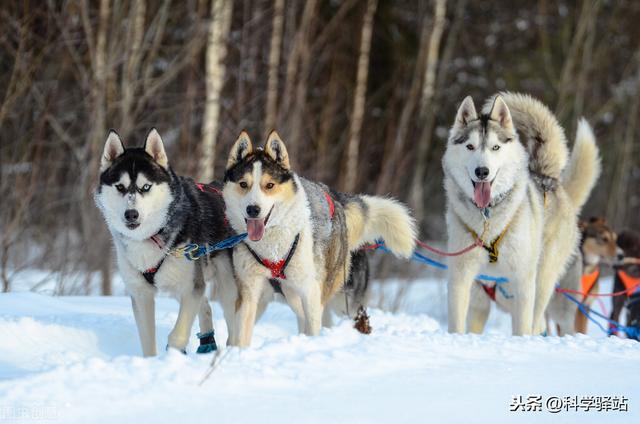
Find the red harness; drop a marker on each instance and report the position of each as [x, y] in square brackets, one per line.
[277, 268]
[332, 206]
[490, 291]
[206, 187]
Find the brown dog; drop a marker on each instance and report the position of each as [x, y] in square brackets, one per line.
[598, 243]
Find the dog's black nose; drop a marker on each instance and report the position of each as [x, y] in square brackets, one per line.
[620, 257]
[131, 215]
[253, 211]
[482, 172]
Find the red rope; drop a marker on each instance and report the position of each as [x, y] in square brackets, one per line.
[618, 293]
[476, 243]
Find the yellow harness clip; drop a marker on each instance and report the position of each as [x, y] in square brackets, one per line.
[492, 248]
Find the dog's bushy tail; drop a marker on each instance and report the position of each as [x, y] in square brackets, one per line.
[542, 134]
[584, 166]
[381, 218]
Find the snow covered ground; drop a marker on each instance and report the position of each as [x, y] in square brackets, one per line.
[76, 359]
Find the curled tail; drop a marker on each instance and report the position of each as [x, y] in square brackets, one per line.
[541, 133]
[381, 218]
[584, 166]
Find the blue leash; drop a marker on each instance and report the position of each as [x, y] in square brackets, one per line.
[419, 257]
[194, 251]
[631, 332]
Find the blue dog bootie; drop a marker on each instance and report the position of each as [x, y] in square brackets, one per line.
[207, 342]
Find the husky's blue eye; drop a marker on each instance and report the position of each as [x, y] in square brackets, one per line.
[120, 188]
[145, 188]
[470, 147]
[496, 147]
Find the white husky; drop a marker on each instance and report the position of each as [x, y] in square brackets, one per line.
[506, 183]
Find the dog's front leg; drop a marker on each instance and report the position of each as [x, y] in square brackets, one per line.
[143, 303]
[295, 303]
[524, 292]
[312, 306]
[247, 307]
[461, 275]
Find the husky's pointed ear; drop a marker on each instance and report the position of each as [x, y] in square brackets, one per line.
[154, 146]
[466, 112]
[112, 149]
[241, 148]
[500, 113]
[276, 150]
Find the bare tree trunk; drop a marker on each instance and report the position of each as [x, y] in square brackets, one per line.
[398, 145]
[416, 198]
[97, 134]
[215, 69]
[618, 204]
[568, 70]
[585, 66]
[131, 68]
[359, 98]
[295, 92]
[326, 125]
[274, 64]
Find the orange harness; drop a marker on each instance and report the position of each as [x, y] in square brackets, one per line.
[630, 283]
[589, 280]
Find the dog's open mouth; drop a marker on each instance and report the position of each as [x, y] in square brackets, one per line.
[482, 193]
[255, 226]
[133, 225]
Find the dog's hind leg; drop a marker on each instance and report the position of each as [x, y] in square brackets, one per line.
[143, 303]
[225, 291]
[190, 305]
[552, 267]
[205, 318]
[479, 309]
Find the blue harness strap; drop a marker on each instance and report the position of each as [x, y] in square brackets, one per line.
[631, 332]
[194, 251]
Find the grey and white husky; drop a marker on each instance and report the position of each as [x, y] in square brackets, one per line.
[300, 236]
[509, 181]
[150, 211]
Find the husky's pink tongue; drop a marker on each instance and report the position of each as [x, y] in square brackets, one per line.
[255, 229]
[482, 194]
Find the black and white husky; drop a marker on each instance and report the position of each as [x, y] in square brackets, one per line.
[300, 236]
[150, 211]
[509, 180]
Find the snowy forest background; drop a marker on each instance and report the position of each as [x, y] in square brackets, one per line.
[362, 91]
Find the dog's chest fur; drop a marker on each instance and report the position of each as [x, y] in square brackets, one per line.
[135, 257]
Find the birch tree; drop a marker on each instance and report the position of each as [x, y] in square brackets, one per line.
[215, 70]
[428, 90]
[359, 98]
[274, 63]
